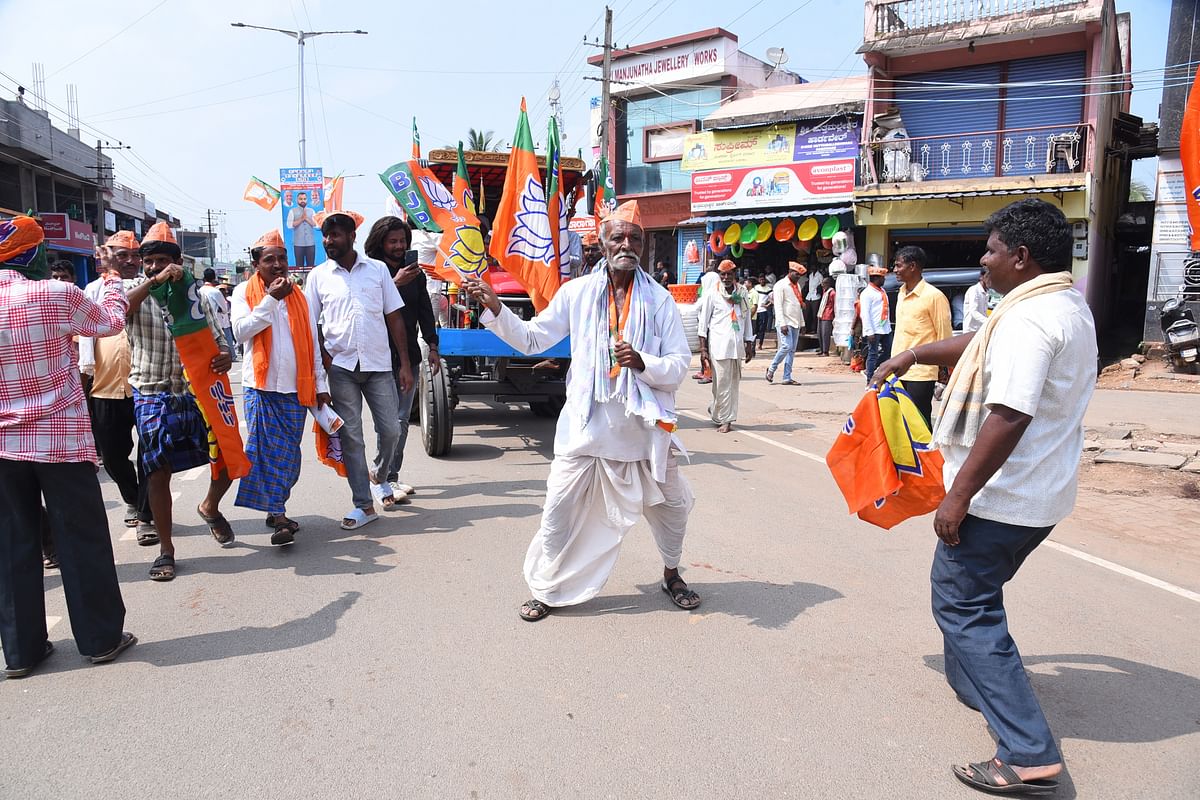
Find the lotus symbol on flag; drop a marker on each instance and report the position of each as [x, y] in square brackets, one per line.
[530, 237]
[437, 194]
[466, 255]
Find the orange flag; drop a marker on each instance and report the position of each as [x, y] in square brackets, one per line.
[523, 236]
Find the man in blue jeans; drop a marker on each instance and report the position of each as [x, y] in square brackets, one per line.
[876, 318]
[788, 303]
[1011, 432]
[357, 306]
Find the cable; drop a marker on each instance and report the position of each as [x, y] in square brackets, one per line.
[186, 94]
[202, 105]
[87, 53]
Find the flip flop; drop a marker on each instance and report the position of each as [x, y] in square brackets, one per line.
[984, 776]
[357, 519]
[163, 568]
[383, 493]
[218, 526]
[21, 672]
[146, 534]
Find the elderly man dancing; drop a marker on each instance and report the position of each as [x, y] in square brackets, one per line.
[282, 377]
[614, 450]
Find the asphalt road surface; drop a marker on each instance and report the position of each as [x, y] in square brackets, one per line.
[391, 663]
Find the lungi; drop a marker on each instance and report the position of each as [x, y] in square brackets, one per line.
[275, 423]
[591, 503]
[171, 431]
[727, 377]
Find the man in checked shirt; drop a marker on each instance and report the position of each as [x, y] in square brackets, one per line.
[47, 450]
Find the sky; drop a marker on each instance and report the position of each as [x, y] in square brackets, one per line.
[203, 105]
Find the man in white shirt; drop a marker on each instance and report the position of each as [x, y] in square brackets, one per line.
[216, 301]
[975, 304]
[764, 317]
[875, 316]
[709, 282]
[726, 337]
[357, 306]
[1011, 432]
[812, 299]
[282, 377]
[614, 450]
[789, 321]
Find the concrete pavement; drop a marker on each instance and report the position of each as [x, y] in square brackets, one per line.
[391, 663]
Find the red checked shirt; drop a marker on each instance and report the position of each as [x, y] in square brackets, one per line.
[43, 414]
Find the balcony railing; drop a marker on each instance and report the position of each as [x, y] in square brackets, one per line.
[1046, 150]
[900, 17]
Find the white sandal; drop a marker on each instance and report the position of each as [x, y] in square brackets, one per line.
[357, 519]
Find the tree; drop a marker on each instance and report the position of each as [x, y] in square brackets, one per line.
[482, 140]
[1139, 192]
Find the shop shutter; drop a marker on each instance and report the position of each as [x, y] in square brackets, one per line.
[1041, 104]
[958, 119]
[685, 272]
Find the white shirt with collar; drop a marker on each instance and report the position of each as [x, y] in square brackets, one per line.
[716, 324]
[350, 306]
[788, 310]
[271, 313]
[870, 310]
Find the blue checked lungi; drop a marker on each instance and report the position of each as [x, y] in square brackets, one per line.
[171, 431]
[275, 423]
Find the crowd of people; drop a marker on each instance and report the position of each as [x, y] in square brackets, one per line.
[1010, 424]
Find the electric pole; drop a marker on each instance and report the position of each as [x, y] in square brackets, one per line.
[100, 191]
[605, 91]
[212, 239]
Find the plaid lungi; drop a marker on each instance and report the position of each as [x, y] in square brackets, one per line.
[171, 431]
[275, 423]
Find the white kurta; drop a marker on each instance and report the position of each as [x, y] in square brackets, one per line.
[609, 467]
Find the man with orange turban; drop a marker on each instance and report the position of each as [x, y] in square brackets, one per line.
[614, 451]
[173, 434]
[282, 377]
[726, 337]
[46, 451]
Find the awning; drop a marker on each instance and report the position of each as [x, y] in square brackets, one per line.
[982, 193]
[771, 214]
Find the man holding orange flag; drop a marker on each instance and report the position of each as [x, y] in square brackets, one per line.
[282, 377]
[614, 450]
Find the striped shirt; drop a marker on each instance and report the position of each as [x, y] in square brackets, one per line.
[43, 413]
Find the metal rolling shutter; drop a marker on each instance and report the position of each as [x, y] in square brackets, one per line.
[1039, 105]
[949, 113]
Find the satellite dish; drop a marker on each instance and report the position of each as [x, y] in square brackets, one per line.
[777, 56]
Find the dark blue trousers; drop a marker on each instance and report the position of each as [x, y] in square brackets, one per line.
[982, 662]
[79, 524]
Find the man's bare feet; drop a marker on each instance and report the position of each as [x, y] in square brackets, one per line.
[725, 427]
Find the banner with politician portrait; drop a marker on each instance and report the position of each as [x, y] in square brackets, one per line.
[301, 191]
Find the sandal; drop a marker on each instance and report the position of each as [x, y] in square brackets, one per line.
[218, 526]
[276, 520]
[284, 533]
[131, 517]
[986, 776]
[128, 640]
[680, 594]
[21, 672]
[49, 562]
[357, 519]
[146, 534]
[383, 493]
[163, 568]
[534, 610]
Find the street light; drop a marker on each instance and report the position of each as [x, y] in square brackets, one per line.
[300, 37]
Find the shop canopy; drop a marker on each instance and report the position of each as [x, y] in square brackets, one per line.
[866, 199]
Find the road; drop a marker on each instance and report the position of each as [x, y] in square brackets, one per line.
[391, 663]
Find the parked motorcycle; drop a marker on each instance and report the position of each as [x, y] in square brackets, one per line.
[1181, 333]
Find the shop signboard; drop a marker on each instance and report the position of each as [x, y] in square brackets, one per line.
[771, 144]
[680, 63]
[54, 226]
[773, 187]
[76, 238]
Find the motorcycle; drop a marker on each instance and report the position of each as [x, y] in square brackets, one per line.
[1181, 333]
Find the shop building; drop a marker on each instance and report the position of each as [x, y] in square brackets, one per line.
[972, 108]
[661, 91]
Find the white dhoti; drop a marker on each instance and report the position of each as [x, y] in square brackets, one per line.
[591, 503]
[727, 376]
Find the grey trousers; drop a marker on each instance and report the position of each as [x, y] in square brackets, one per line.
[349, 388]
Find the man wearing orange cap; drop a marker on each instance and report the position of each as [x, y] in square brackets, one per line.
[106, 361]
[876, 317]
[282, 377]
[726, 336]
[614, 449]
[172, 431]
[788, 302]
[46, 451]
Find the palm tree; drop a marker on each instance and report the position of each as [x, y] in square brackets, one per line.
[481, 140]
[1139, 192]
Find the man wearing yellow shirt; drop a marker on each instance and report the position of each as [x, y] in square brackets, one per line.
[922, 316]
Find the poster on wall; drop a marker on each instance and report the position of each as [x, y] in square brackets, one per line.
[773, 187]
[301, 196]
[771, 144]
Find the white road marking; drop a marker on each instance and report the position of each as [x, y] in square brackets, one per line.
[761, 438]
[129, 535]
[51, 622]
[1149, 580]
[193, 474]
[1187, 594]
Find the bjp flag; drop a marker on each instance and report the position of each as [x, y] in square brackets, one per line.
[523, 237]
[461, 252]
[329, 450]
[214, 395]
[883, 462]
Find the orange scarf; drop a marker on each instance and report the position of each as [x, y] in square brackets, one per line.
[302, 340]
[615, 326]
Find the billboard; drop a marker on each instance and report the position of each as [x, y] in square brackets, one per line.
[301, 194]
[773, 187]
[771, 144]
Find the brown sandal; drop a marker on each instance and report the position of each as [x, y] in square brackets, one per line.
[218, 526]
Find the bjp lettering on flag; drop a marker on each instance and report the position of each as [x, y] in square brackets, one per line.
[883, 462]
